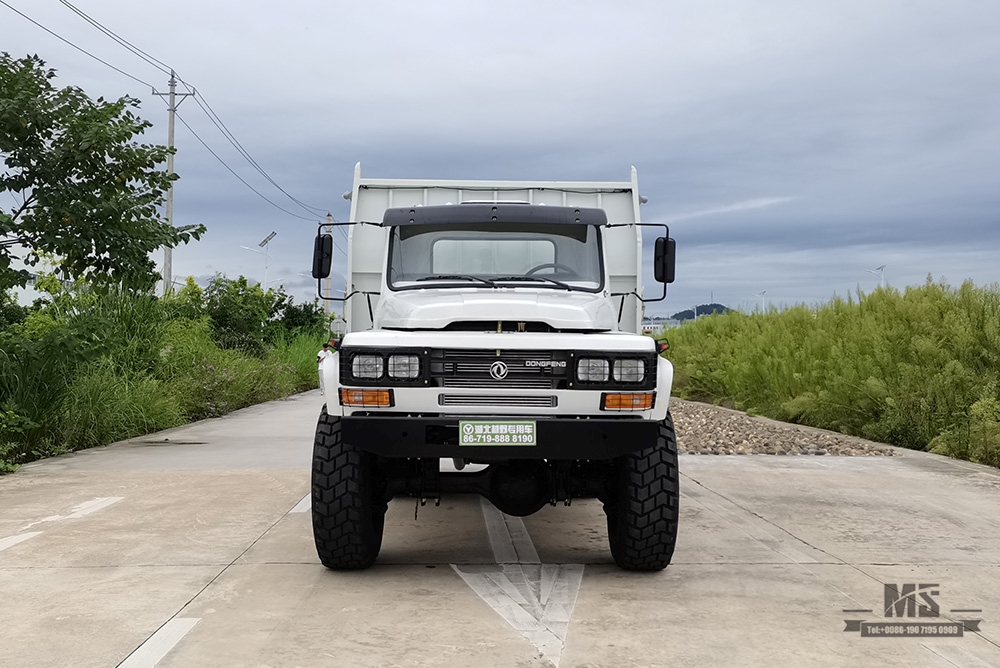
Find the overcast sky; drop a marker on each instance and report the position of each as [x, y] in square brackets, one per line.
[790, 145]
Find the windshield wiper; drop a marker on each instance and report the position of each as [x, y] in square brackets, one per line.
[456, 277]
[544, 279]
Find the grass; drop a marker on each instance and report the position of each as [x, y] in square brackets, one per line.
[918, 368]
[103, 406]
[90, 369]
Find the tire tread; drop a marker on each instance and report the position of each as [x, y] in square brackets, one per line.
[347, 523]
[643, 518]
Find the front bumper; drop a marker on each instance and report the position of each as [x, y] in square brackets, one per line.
[557, 438]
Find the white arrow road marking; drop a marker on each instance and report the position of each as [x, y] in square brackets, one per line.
[11, 541]
[509, 539]
[82, 510]
[303, 506]
[151, 652]
[536, 599]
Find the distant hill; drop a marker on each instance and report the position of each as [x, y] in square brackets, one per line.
[703, 309]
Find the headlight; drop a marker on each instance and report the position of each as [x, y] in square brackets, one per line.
[404, 366]
[367, 366]
[629, 371]
[592, 371]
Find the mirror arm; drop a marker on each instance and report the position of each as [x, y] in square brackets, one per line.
[666, 233]
[367, 294]
[658, 299]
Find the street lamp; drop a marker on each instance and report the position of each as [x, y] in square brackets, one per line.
[763, 299]
[880, 272]
[267, 257]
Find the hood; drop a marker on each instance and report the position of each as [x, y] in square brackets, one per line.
[438, 308]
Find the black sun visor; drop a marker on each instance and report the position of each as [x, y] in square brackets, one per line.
[493, 213]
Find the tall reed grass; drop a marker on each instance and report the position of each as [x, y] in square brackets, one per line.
[918, 368]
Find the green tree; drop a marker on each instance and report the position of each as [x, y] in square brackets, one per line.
[11, 313]
[305, 318]
[188, 302]
[83, 190]
[242, 315]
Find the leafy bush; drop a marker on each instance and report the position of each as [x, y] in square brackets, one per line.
[11, 313]
[244, 317]
[35, 375]
[307, 318]
[86, 368]
[240, 314]
[977, 437]
[13, 429]
[299, 352]
[210, 381]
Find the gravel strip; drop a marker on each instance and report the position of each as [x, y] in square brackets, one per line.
[703, 429]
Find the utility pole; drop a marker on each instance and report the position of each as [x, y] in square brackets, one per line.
[172, 104]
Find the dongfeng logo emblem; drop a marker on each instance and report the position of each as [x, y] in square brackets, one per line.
[498, 370]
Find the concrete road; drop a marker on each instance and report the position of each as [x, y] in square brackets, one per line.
[193, 548]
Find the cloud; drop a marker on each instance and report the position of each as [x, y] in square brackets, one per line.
[789, 145]
[745, 205]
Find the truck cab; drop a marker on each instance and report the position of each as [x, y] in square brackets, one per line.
[493, 348]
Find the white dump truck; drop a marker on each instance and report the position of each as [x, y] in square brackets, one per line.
[494, 327]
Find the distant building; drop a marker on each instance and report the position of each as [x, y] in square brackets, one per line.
[654, 325]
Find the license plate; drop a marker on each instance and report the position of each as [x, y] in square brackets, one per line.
[496, 432]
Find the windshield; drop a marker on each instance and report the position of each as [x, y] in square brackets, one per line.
[554, 256]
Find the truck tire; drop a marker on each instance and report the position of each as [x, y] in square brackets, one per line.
[642, 508]
[348, 512]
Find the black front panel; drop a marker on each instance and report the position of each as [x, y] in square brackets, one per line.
[558, 438]
[499, 369]
[347, 356]
[649, 363]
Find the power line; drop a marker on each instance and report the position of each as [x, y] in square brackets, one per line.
[227, 133]
[158, 64]
[231, 171]
[199, 99]
[202, 103]
[80, 49]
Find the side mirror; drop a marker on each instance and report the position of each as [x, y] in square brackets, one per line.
[322, 255]
[664, 257]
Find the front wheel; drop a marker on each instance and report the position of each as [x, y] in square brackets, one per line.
[642, 507]
[348, 511]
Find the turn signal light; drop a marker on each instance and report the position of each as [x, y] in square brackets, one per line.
[626, 402]
[365, 398]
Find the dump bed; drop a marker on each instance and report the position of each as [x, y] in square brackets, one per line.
[370, 198]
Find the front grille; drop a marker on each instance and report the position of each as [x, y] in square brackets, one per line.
[519, 383]
[525, 369]
[496, 400]
[491, 355]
